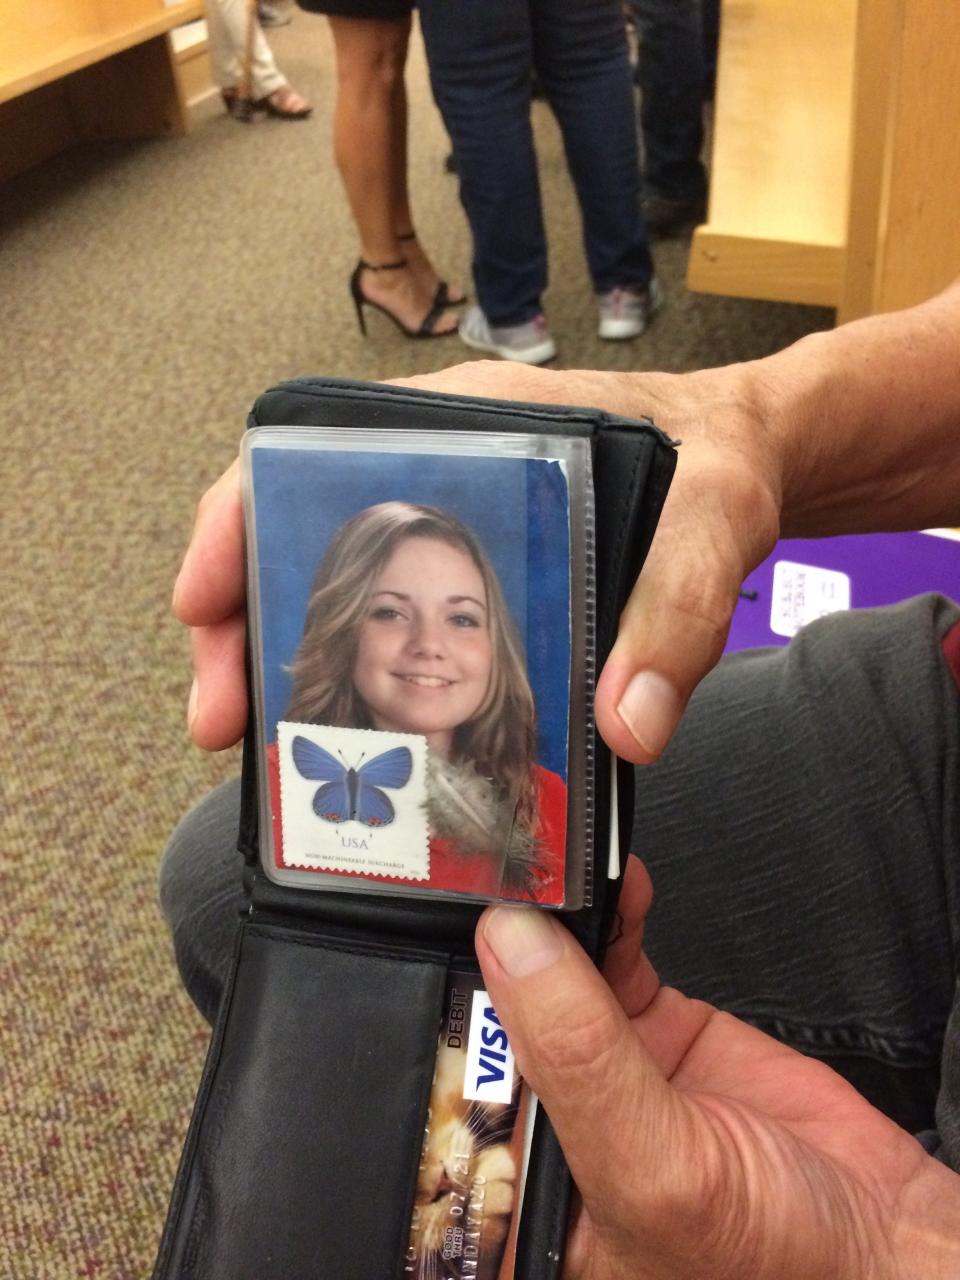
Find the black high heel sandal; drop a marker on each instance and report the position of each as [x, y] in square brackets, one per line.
[360, 300]
[442, 296]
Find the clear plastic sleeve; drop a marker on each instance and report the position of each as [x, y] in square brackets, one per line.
[422, 639]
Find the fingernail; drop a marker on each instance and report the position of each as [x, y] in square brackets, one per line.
[650, 708]
[523, 939]
[192, 705]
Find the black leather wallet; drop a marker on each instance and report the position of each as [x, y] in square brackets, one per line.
[302, 1154]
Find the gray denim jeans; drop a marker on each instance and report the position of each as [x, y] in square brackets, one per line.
[803, 838]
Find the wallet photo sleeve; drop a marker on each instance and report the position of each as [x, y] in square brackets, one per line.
[421, 630]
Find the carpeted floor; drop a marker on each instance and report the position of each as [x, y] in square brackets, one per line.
[149, 293]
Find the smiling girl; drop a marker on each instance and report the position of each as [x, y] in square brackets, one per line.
[407, 630]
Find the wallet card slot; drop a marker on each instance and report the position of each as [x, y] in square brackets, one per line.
[447, 923]
[303, 1162]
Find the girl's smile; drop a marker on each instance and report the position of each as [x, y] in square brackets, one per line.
[424, 655]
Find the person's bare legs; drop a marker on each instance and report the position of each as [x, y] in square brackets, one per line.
[420, 264]
[370, 151]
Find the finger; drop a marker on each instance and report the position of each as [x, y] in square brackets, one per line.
[217, 713]
[626, 968]
[580, 1239]
[575, 1048]
[666, 1021]
[210, 586]
[717, 525]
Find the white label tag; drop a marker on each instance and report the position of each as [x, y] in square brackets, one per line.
[353, 800]
[804, 592]
[489, 1074]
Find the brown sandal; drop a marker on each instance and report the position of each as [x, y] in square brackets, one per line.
[282, 103]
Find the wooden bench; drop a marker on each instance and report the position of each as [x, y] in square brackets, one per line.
[835, 169]
[76, 70]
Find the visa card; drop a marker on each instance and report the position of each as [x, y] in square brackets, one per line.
[471, 1162]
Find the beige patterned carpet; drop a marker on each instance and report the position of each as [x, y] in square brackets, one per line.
[149, 293]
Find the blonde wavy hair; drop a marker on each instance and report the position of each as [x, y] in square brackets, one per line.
[500, 739]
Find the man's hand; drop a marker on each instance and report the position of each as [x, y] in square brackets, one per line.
[847, 431]
[701, 1147]
[719, 522]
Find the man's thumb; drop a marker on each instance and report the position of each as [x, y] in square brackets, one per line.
[573, 1043]
[717, 525]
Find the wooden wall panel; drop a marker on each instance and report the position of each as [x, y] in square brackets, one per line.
[919, 224]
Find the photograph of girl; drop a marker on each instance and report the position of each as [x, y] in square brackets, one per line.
[407, 630]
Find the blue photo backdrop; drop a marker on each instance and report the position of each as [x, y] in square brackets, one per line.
[517, 507]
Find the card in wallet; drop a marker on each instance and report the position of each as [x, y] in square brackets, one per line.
[305, 1158]
[469, 1177]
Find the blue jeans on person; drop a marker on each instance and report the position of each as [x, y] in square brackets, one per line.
[481, 53]
[671, 73]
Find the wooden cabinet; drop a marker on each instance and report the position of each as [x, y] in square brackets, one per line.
[72, 70]
[835, 169]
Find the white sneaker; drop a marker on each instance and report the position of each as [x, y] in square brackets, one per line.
[530, 343]
[625, 313]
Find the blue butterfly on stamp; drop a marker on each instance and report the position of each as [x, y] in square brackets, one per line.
[348, 794]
